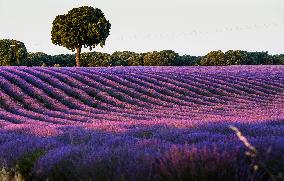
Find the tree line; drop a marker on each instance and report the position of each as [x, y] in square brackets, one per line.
[14, 53]
[87, 27]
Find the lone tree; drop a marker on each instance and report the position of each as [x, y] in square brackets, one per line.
[84, 26]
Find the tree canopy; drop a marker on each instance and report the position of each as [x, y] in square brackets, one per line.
[12, 52]
[81, 27]
[214, 58]
[162, 58]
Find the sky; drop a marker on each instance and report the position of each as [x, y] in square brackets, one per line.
[192, 27]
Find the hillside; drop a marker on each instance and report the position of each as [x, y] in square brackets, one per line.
[136, 115]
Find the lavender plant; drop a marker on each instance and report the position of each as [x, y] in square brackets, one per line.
[142, 123]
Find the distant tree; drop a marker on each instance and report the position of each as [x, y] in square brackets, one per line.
[162, 58]
[236, 57]
[154, 59]
[259, 58]
[80, 27]
[64, 60]
[38, 59]
[126, 58]
[120, 58]
[12, 53]
[214, 58]
[95, 59]
[278, 59]
[187, 60]
[136, 59]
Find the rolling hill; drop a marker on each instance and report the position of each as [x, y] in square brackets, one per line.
[140, 123]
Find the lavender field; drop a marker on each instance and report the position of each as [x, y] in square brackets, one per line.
[141, 123]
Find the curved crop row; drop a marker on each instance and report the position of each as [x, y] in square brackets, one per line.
[140, 123]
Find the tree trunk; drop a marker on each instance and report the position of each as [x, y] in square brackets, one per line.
[18, 61]
[78, 53]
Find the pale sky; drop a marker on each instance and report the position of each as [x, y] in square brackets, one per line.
[186, 26]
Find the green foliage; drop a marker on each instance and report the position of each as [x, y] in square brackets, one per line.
[239, 57]
[236, 57]
[120, 58]
[259, 58]
[126, 58]
[187, 60]
[38, 59]
[12, 53]
[95, 59]
[278, 59]
[26, 163]
[154, 59]
[162, 58]
[135, 59]
[64, 60]
[80, 27]
[84, 26]
[214, 58]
